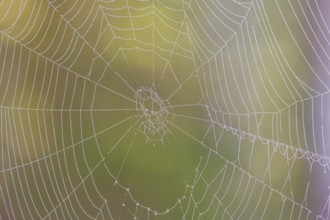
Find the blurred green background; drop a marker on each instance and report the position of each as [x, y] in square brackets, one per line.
[218, 134]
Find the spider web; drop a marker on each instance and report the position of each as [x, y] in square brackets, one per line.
[164, 109]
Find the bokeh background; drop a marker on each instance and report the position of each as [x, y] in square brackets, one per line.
[164, 109]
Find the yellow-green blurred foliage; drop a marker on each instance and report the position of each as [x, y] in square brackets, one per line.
[76, 132]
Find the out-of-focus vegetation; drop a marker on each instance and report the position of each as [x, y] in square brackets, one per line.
[74, 138]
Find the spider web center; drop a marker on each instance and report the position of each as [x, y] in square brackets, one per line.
[154, 114]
